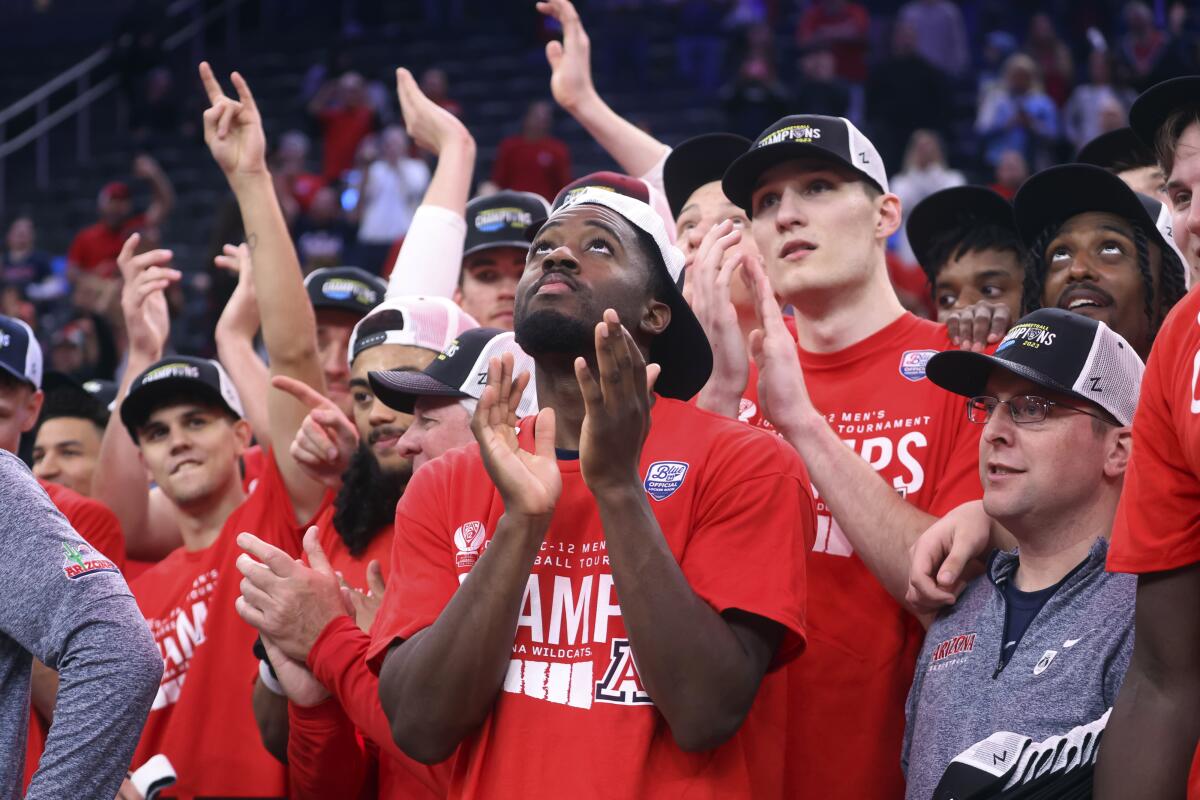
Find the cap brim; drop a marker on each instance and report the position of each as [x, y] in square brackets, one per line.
[940, 210]
[54, 380]
[682, 351]
[140, 403]
[519, 244]
[1154, 105]
[18, 375]
[741, 178]
[399, 389]
[1054, 195]
[699, 161]
[1122, 146]
[967, 373]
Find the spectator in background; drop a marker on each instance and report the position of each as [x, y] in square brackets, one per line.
[756, 98]
[295, 184]
[324, 237]
[94, 249]
[925, 172]
[533, 160]
[819, 90]
[1143, 43]
[343, 110]
[843, 27]
[1083, 117]
[1011, 171]
[25, 267]
[158, 114]
[391, 192]
[904, 93]
[1019, 116]
[1052, 57]
[436, 87]
[700, 43]
[940, 34]
[84, 348]
[997, 47]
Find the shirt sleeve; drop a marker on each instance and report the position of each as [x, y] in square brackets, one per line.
[70, 608]
[748, 547]
[325, 756]
[431, 256]
[100, 527]
[423, 575]
[1157, 527]
[338, 660]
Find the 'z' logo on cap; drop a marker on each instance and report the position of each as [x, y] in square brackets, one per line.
[1096, 383]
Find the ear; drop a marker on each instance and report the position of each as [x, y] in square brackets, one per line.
[33, 408]
[457, 296]
[890, 215]
[241, 430]
[1118, 452]
[655, 318]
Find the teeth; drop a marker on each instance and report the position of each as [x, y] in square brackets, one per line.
[1082, 302]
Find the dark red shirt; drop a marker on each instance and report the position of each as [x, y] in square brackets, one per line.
[541, 166]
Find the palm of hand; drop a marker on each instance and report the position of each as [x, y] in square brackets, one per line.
[530, 484]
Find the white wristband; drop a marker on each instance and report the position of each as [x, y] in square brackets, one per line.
[269, 681]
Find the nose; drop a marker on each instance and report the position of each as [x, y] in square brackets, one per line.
[1082, 269]
[694, 237]
[335, 363]
[1000, 428]
[47, 468]
[560, 257]
[508, 288]
[409, 444]
[790, 211]
[380, 414]
[178, 439]
[1192, 223]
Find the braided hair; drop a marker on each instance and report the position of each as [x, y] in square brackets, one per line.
[1171, 286]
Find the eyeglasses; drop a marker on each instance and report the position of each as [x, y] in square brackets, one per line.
[1023, 408]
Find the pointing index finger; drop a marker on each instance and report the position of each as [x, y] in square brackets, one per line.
[301, 391]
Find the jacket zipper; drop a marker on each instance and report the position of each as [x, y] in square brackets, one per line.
[1000, 662]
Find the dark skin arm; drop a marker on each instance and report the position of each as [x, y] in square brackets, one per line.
[1151, 736]
[271, 715]
[683, 648]
[439, 685]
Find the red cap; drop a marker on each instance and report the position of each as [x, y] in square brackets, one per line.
[115, 190]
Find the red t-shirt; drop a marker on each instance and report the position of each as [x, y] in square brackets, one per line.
[848, 692]
[100, 528]
[1158, 520]
[343, 130]
[541, 166]
[572, 719]
[96, 247]
[206, 726]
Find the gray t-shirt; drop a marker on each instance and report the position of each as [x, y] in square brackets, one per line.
[67, 605]
[1065, 671]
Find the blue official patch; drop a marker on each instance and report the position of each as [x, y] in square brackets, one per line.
[912, 363]
[664, 477]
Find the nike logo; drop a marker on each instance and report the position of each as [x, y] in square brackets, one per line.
[1072, 642]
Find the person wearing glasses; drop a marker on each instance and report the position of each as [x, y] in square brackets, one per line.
[1039, 643]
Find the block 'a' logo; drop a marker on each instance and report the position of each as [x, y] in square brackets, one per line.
[621, 683]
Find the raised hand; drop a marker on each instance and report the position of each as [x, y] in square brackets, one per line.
[616, 409]
[529, 483]
[782, 394]
[240, 315]
[570, 59]
[233, 129]
[326, 440]
[143, 302]
[977, 326]
[708, 280]
[365, 605]
[285, 599]
[428, 124]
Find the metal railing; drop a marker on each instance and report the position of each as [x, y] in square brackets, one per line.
[81, 78]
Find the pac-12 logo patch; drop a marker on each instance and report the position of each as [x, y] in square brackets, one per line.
[80, 560]
[664, 477]
[912, 363]
[469, 536]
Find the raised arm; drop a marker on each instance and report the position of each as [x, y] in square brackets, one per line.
[236, 329]
[162, 192]
[431, 256]
[118, 482]
[880, 525]
[636, 151]
[234, 134]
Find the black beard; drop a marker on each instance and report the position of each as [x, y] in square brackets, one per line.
[549, 332]
[367, 500]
